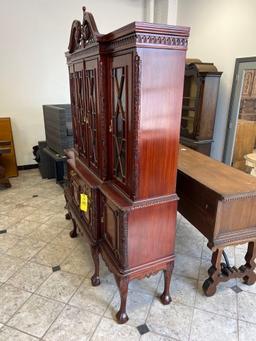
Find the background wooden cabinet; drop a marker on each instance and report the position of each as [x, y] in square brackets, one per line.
[201, 86]
[8, 161]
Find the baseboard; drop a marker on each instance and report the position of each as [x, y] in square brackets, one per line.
[25, 167]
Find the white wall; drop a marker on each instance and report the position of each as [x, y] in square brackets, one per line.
[221, 31]
[34, 35]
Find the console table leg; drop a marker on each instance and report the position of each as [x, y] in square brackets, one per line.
[73, 233]
[250, 265]
[95, 279]
[166, 297]
[122, 283]
[210, 284]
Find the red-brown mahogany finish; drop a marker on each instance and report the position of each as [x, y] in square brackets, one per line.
[126, 96]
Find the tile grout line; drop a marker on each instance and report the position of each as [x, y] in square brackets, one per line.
[154, 296]
[5, 325]
[194, 305]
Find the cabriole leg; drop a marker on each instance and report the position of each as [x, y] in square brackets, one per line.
[73, 233]
[122, 283]
[95, 279]
[165, 297]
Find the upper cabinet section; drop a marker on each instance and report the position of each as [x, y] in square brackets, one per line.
[126, 94]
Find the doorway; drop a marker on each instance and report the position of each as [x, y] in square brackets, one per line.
[241, 127]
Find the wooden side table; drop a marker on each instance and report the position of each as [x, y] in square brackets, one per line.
[5, 148]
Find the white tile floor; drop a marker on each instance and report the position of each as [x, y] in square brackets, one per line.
[37, 303]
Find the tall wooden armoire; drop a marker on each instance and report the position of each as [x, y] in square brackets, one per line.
[126, 97]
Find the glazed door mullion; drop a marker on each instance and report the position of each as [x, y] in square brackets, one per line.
[81, 109]
[73, 105]
[92, 112]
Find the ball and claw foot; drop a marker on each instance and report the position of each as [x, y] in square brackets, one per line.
[209, 287]
[95, 280]
[121, 317]
[67, 216]
[73, 234]
[165, 299]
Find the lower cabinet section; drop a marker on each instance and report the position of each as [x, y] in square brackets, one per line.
[135, 236]
[135, 239]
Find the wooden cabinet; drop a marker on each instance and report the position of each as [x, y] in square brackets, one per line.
[126, 95]
[8, 160]
[200, 95]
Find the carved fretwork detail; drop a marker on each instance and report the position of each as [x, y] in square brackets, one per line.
[82, 34]
[119, 122]
[73, 107]
[123, 237]
[80, 113]
[161, 40]
[164, 41]
[137, 94]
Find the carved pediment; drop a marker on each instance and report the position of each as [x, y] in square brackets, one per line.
[83, 34]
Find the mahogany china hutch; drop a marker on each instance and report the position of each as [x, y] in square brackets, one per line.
[126, 98]
[201, 87]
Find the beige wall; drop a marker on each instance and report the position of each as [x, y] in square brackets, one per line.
[221, 31]
[34, 35]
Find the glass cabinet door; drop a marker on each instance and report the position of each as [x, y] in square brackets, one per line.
[92, 112]
[80, 110]
[120, 114]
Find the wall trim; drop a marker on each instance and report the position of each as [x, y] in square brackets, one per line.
[26, 167]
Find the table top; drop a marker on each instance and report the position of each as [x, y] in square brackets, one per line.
[215, 175]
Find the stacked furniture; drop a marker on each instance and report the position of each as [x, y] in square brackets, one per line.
[126, 96]
[59, 136]
[58, 127]
[200, 96]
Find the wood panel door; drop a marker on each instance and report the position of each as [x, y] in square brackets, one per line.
[113, 229]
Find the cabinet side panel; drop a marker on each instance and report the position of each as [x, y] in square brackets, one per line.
[151, 233]
[162, 80]
[207, 119]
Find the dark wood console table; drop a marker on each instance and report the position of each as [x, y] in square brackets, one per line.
[5, 148]
[220, 201]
